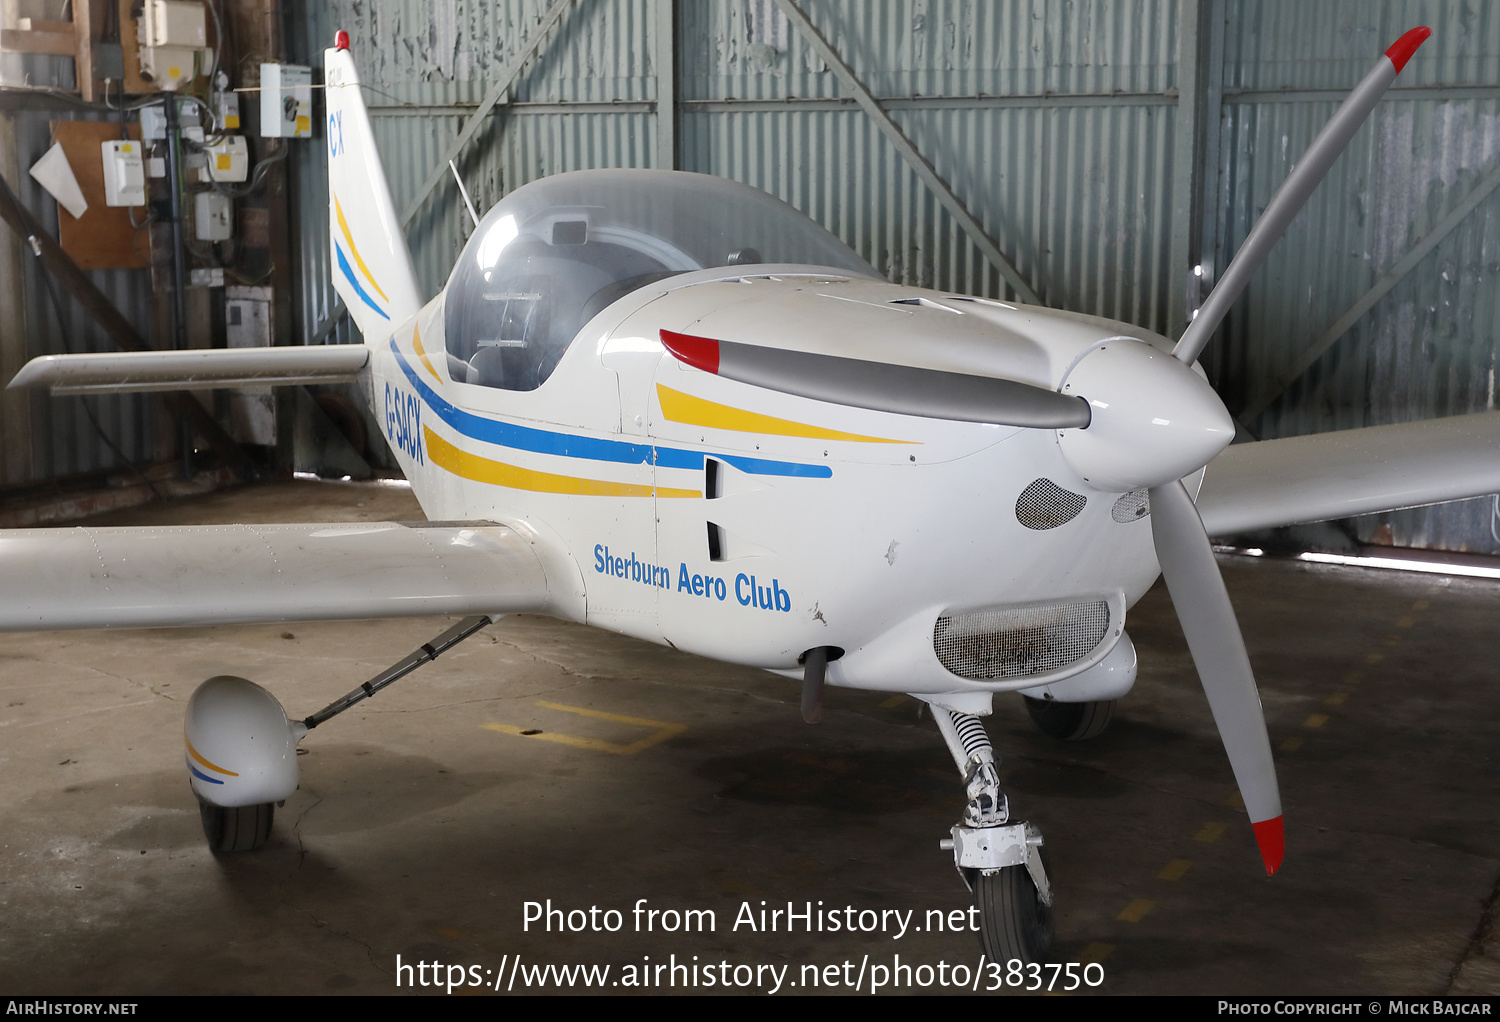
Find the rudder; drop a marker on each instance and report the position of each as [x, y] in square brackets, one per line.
[372, 269]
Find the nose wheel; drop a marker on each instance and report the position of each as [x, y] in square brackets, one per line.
[1000, 861]
[1014, 923]
[238, 828]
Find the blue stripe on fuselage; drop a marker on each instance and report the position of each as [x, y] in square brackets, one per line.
[541, 441]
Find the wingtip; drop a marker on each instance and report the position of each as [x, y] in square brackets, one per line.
[1271, 836]
[1402, 49]
[698, 352]
[341, 40]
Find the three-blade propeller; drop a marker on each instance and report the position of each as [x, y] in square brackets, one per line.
[1145, 421]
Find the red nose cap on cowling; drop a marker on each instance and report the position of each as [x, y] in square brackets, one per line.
[1402, 49]
[341, 40]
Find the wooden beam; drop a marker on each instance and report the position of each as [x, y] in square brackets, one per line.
[88, 19]
[53, 44]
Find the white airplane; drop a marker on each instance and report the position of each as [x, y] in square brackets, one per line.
[671, 406]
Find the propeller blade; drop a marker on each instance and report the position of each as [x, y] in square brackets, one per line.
[1288, 201]
[881, 386]
[1213, 637]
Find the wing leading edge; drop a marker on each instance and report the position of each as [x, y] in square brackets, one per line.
[199, 575]
[1352, 472]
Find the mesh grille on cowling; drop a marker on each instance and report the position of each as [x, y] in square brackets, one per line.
[1018, 641]
[1131, 507]
[1045, 505]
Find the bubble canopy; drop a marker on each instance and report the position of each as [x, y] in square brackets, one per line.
[553, 254]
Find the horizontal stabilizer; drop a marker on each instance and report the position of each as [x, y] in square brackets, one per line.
[236, 574]
[194, 369]
[1351, 472]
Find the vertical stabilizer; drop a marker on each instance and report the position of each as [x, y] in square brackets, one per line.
[371, 267]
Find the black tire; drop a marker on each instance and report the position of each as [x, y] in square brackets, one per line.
[1071, 722]
[240, 829]
[1013, 922]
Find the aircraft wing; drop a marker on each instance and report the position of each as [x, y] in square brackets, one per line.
[1350, 472]
[117, 372]
[223, 574]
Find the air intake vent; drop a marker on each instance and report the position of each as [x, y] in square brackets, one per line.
[1019, 641]
[1045, 505]
[1131, 507]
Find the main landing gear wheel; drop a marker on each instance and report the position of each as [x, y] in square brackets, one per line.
[1071, 722]
[1014, 924]
[237, 829]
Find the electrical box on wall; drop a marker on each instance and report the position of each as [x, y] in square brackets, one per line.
[213, 216]
[285, 101]
[174, 23]
[229, 160]
[227, 110]
[154, 121]
[124, 173]
[247, 324]
[171, 35]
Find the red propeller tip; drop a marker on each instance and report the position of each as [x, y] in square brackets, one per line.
[1271, 836]
[698, 352]
[1402, 49]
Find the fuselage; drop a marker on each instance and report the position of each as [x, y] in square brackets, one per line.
[749, 525]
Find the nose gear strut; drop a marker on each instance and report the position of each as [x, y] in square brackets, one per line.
[1000, 861]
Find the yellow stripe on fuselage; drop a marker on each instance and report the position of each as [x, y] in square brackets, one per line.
[212, 766]
[695, 411]
[485, 470]
[344, 226]
[416, 343]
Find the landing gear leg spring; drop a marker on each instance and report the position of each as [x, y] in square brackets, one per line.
[999, 860]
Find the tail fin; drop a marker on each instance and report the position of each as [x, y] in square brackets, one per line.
[372, 268]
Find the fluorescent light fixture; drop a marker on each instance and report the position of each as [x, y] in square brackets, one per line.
[1402, 564]
[1393, 563]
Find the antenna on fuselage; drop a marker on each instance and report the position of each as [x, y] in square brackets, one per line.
[464, 192]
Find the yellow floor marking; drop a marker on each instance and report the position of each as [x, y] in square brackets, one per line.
[1211, 832]
[1175, 870]
[1292, 744]
[1234, 800]
[892, 702]
[1336, 699]
[1405, 622]
[1316, 720]
[664, 730]
[1096, 952]
[1353, 677]
[1136, 910]
[1374, 658]
[1420, 606]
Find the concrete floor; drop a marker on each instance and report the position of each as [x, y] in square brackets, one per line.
[420, 832]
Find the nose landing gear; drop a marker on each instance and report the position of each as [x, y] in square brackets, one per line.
[1001, 862]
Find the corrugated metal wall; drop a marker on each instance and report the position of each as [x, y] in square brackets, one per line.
[1026, 109]
[1427, 348]
[1054, 122]
[60, 439]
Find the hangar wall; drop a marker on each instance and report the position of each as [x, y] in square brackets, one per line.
[1103, 148]
[44, 438]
